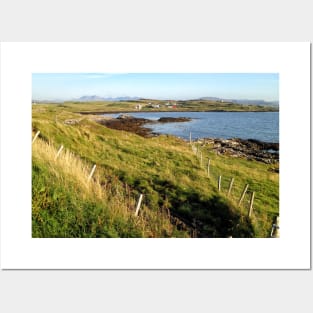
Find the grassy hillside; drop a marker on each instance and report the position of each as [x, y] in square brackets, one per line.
[188, 105]
[179, 199]
[66, 204]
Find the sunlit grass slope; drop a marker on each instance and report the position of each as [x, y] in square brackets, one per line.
[179, 199]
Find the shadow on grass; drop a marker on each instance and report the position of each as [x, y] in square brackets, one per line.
[206, 217]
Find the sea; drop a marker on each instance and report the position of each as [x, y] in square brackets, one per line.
[263, 126]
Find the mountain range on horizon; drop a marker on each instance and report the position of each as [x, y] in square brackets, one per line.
[91, 98]
[97, 98]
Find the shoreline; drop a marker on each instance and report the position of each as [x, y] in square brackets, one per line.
[176, 111]
[251, 149]
[136, 125]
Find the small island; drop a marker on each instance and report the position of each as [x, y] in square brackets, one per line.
[136, 125]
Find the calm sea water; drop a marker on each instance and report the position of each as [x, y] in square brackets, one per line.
[262, 126]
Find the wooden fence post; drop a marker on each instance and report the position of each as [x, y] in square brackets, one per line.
[275, 229]
[219, 182]
[190, 137]
[243, 194]
[58, 153]
[230, 187]
[201, 159]
[277, 232]
[138, 204]
[91, 173]
[251, 204]
[209, 161]
[37, 134]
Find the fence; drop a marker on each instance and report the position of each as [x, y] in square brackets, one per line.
[89, 177]
[240, 195]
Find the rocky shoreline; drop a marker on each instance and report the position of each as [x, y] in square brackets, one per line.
[135, 125]
[250, 149]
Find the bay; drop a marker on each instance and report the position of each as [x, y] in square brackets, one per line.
[262, 126]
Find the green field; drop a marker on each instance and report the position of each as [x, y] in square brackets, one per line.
[179, 199]
[147, 105]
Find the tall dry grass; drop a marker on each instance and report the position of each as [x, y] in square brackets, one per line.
[69, 165]
[71, 171]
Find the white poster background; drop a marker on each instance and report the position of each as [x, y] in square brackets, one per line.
[20, 251]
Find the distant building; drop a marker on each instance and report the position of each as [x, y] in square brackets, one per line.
[138, 107]
[171, 104]
[156, 106]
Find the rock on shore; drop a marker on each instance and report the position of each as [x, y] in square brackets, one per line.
[135, 125]
[266, 152]
[130, 124]
[173, 119]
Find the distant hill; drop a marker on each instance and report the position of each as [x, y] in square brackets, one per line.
[91, 98]
[97, 98]
[242, 101]
[209, 98]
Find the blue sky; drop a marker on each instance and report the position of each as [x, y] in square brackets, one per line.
[65, 86]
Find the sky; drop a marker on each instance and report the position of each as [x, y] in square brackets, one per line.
[69, 86]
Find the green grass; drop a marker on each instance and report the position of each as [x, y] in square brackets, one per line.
[66, 204]
[188, 105]
[179, 199]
